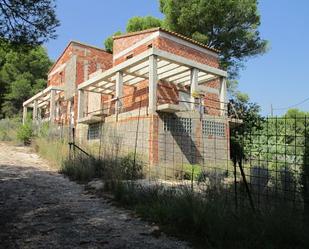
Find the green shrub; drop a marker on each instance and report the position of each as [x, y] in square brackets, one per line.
[131, 168]
[188, 172]
[25, 133]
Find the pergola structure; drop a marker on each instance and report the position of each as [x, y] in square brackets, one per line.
[40, 101]
[153, 65]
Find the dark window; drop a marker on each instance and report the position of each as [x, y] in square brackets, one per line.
[94, 131]
[61, 77]
[129, 56]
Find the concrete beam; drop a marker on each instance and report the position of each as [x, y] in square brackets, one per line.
[120, 67]
[189, 63]
[42, 94]
[153, 83]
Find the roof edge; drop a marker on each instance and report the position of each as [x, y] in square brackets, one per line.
[77, 43]
[168, 32]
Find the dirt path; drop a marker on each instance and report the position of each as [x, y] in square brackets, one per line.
[41, 209]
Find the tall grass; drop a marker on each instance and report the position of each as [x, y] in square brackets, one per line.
[54, 150]
[209, 220]
[9, 129]
[83, 168]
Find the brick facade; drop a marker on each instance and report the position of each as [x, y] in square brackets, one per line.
[83, 60]
[168, 93]
[88, 60]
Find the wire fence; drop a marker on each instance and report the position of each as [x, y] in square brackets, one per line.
[274, 156]
[258, 165]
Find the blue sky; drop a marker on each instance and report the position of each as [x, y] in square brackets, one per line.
[279, 77]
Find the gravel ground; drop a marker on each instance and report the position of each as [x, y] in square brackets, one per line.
[39, 208]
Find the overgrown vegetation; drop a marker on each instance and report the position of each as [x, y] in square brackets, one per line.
[8, 129]
[111, 169]
[209, 219]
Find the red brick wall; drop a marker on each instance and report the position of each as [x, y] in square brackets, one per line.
[96, 58]
[163, 44]
[212, 100]
[167, 93]
[184, 51]
[135, 96]
[121, 44]
[54, 78]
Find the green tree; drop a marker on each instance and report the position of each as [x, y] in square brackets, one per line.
[228, 25]
[22, 74]
[27, 22]
[138, 23]
[108, 43]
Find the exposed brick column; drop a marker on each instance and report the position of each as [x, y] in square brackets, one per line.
[198, 140]
[153, 140]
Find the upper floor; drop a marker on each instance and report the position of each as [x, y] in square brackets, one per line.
[155, 67]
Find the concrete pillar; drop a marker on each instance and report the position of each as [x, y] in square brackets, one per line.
[52, 106]
[35, 111]
[39, 117]
[193, 86]
[80, 104]
[119, 91]
[223, 97]
[25, 109]
[153, 83]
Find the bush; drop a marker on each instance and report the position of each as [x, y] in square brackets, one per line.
[188, 172]
[25, 133]
[131, 168]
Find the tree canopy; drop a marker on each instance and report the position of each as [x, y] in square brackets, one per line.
[22, 74]
[139, 23]
[108, 43]
[27, 22]
[230, 26]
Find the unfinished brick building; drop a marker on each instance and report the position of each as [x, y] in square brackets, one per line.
[160, 92]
